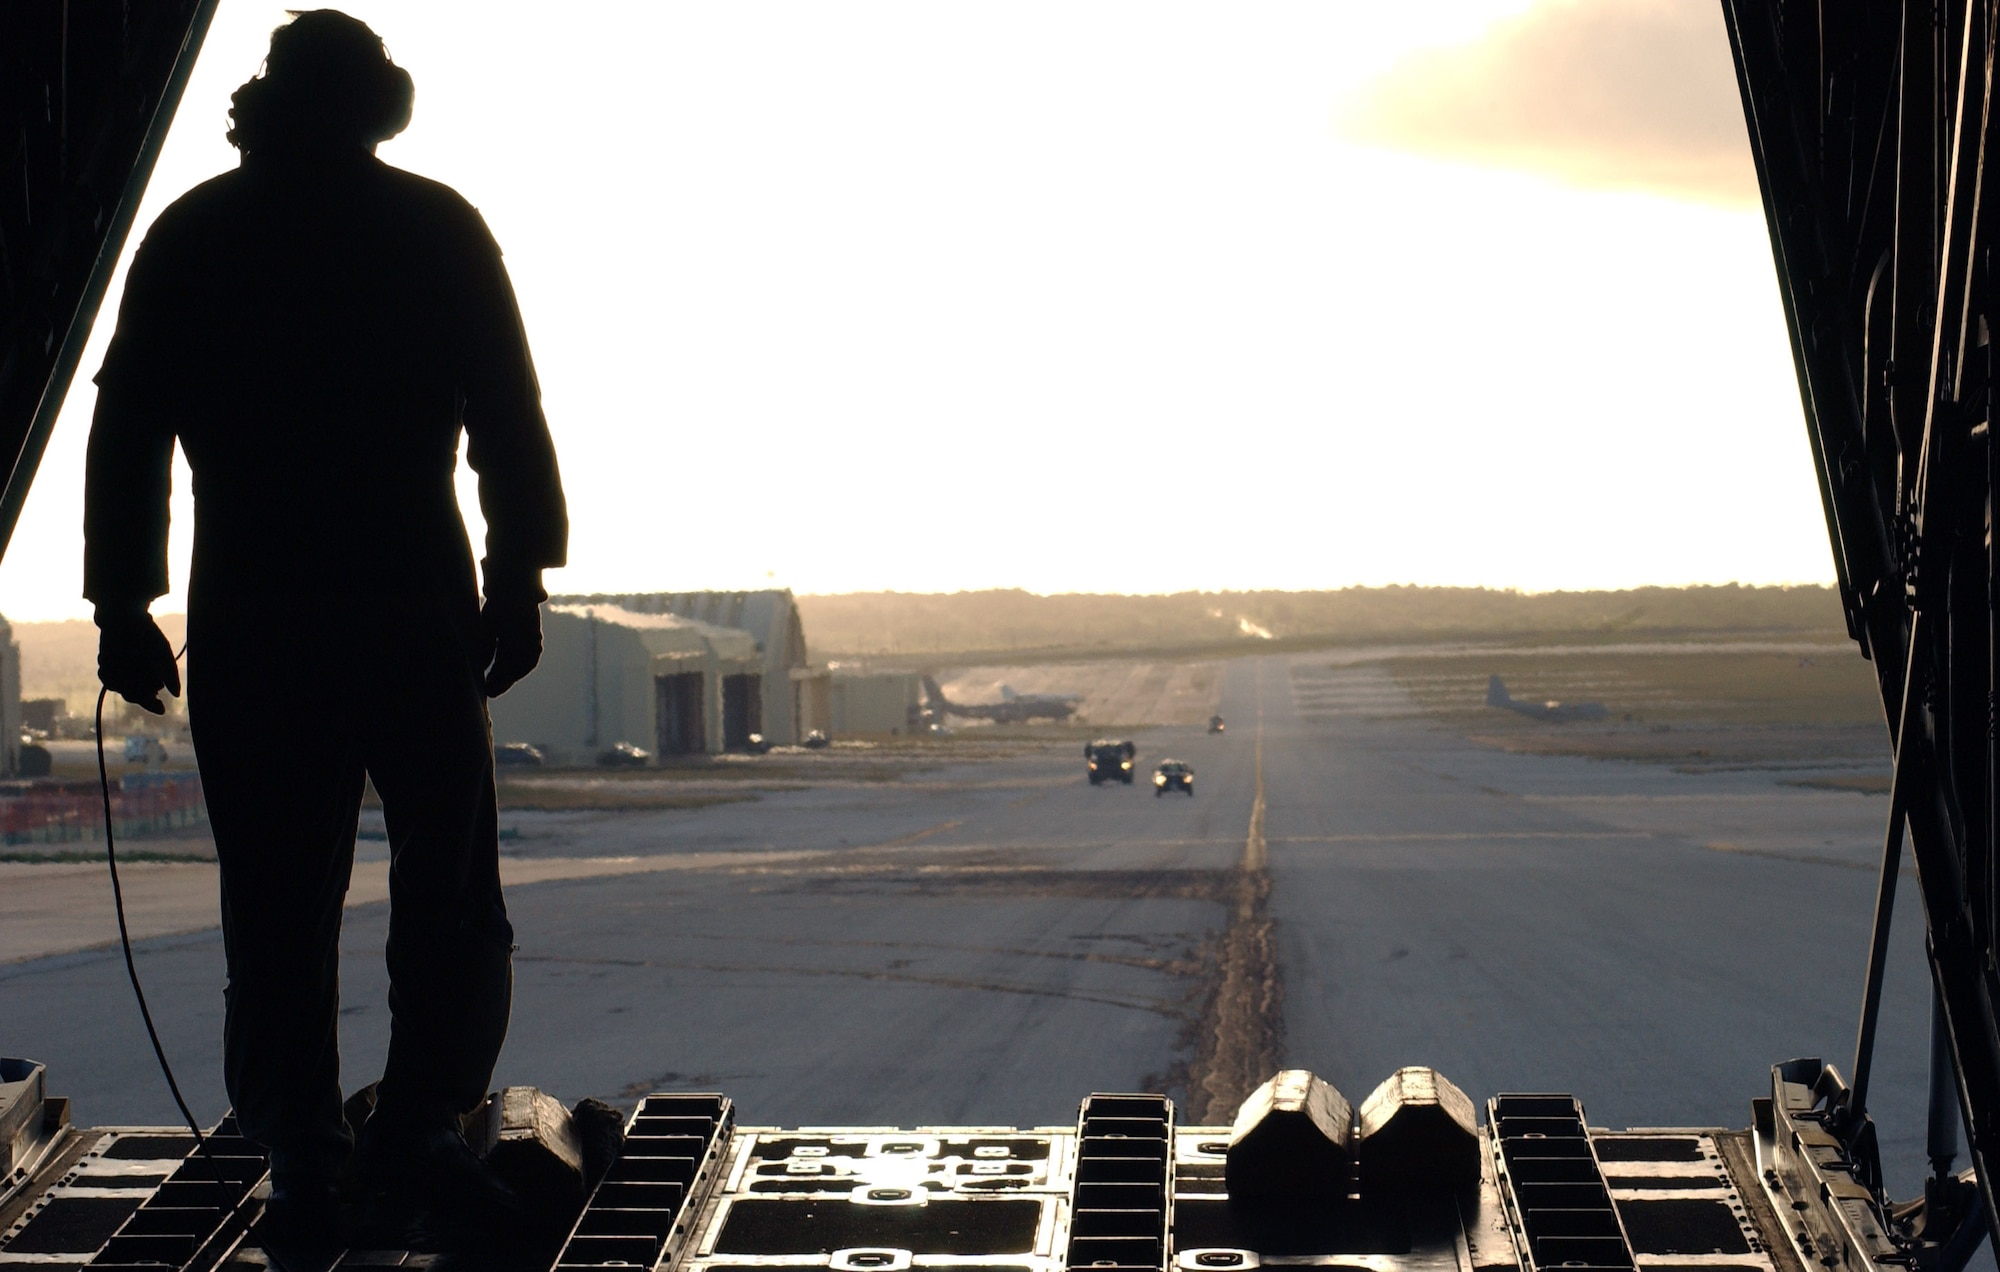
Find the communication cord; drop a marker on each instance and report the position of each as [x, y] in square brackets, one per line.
[132, 972]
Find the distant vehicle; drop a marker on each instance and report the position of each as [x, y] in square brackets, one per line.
[816, 740]
[1173, 775]
[624, 755]
[1215, 724]
[144, 750]
[1013, 708]
[1497, 696]
[518, 755]
[1110, 761]
[757, 744]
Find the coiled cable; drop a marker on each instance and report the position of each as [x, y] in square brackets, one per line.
[201, 1144]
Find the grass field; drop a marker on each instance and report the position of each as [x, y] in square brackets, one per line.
[1716, 706]
[1815, 685]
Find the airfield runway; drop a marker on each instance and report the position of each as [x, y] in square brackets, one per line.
[1351, 889]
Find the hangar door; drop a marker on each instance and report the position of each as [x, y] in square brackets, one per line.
[742, 709]
[677, 719]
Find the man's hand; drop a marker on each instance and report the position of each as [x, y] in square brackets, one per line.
[514, 626]
[135, 659]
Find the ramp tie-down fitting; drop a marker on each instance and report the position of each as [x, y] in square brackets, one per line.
[1121, 1209]
[640, 1213]
[1550, 1176]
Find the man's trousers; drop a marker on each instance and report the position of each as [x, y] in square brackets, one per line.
[292, 702]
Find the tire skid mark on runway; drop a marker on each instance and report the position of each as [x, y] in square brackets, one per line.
[1242, 1024]
[1188, 884]
[1133, 1002]
[1760, 799]
[1466, 836]
[1804, 858]
[1170, 966]
[1069, 845]
[917, 836]
[840, 865]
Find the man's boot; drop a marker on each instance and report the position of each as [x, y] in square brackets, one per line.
[409, 1165]
[302, 1213]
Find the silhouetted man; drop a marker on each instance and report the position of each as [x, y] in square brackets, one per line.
[316, 328]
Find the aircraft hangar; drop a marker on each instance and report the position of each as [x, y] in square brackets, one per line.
[674, 673]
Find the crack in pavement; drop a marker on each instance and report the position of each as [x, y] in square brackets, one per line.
[1467, 836]
[1190, 884]
[917, 836]
[1156, 1006]
[1804, 858]
[1170, 966]
[1241, 1029]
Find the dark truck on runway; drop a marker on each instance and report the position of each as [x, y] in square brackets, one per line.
[1109, 761]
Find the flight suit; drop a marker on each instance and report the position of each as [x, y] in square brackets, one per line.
[316, 329]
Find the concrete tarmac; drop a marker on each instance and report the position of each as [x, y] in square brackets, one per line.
[1650, 940]
[988, 943]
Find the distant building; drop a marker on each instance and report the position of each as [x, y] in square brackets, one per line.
[783, 699]
[670, 685]
[44, 715]
[682, 673]
[876, 702]
[10, 701]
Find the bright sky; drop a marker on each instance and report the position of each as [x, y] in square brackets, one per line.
[1066, 296]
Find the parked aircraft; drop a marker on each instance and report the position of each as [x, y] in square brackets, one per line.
[1013, 708]
[1497, 696]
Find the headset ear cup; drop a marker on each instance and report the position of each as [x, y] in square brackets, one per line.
[399, 99]
[246, 107]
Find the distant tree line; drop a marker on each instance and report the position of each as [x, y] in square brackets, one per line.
[1015, 622]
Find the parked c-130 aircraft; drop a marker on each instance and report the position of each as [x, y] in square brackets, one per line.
[1013, 708]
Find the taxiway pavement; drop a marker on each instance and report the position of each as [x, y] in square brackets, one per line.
[986, 943]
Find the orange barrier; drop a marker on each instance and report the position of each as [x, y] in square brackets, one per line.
[45, 812]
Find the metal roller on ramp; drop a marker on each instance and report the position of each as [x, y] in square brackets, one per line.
[1533, 1188]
